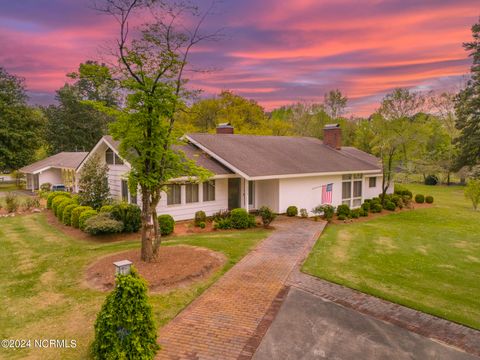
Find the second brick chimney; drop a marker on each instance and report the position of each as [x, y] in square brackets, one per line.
[332, 136]
[225, 128]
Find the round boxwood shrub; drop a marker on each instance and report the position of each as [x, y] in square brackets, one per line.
[419, 199]
[67, 214]
[102, 224]
[202, 225]
[53, 195]
[200, 217]
[62, 207]
[366, 205]
[363, 212]
[429, 199]
[267, 215]
[129, 214]
[343, 209]
[76, 212]
[355, 213]
[389, 205]
[376, 208]
[124, 328]
[292, 211]
[106, 209]
[166, 224]
[341, 217]
[223, 224]
[87, 214]
[56, 201]
[431, 180]
[240, 219]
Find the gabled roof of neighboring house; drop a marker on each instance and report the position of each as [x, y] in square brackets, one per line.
[191, 152]
[270, 156]
[63, 160]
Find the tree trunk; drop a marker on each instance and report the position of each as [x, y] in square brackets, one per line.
[150, 229]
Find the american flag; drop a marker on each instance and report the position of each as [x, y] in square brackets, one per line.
[327, 194]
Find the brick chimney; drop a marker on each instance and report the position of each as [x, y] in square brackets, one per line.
[224, 128]
[332, 136]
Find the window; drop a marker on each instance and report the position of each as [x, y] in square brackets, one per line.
[191, 193]
[352, 190]
[372, 182]
[125, 190]
[174, 196]
[111, 158]
[209, 190]
[251, 193]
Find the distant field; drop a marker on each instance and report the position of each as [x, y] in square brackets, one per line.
[427, 259]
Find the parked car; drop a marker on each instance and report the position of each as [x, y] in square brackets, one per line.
[59, 187]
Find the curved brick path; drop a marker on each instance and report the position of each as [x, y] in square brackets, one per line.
[219, 323]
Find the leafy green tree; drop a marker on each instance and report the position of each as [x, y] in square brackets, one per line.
[151, 68]
[472, 192]
[467, 107]
[335, 103]
[124, 328]
[93, 183]
[21, 126]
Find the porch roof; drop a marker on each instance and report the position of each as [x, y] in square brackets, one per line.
[63, 160]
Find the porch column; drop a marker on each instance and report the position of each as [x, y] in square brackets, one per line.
[245, 192]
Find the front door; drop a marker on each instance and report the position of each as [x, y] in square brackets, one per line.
[234, 193]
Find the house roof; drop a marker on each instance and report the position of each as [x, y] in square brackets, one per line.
[63, 160]
[192, 152]
[262, 156]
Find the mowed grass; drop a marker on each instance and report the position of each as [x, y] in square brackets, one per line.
[42, 294]
[427, 259]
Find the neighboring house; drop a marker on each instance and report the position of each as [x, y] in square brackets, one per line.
[57, 169]
[251, 171]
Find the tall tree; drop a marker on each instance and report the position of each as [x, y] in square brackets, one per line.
[152, 69]
[467, 107]
[20, 125]
[93, 183]
[335, 103]
[401, 103]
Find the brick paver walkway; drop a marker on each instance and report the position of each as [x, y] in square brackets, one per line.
[219, 323]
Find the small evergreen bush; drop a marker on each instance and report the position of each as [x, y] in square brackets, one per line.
[363, 212]
[240, 219]
[355, 213]
[202, 225]
[390, 205]
[327, 211]
[57, 201]
[102, 224]
[87, 214]
[76, 212]
[341, 217]
[304, 213]
[376, 208]
[106, 209]
[366, 205]
[429, 199]
[53, 195]
[292, 211]
[200, 217]
[166, 224]
[343, 209]
[61, 207]
[67, 214]
[124, 328]
[267, 215]
[402, 191]
[129, 214]
[223, 224]
[419, 199]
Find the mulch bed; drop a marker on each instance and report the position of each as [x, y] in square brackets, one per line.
[176, 266]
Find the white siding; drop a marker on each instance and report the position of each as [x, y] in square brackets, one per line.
[266, 194]
[369, 192]
[52, 176]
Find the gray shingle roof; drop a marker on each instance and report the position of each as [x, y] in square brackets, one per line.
[64, 160]
[258, 156]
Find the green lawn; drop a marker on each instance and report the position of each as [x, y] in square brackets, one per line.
[427, 259]
[42, 295]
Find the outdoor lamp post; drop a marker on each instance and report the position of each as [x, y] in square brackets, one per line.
[122, 267]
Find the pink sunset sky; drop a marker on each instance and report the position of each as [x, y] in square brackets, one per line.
[275, 52]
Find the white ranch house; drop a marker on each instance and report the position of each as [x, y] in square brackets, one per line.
[252, 171]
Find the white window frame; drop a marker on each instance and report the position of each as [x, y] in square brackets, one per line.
[172, 186]
[352, 179]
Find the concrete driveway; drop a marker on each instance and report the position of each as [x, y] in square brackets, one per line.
[308, 327]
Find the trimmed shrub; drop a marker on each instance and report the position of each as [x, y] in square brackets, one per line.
[223, 224]
[366, 206]
[327, 211]
[129, 214]
[87, 214]
[67, 214]
[343, 209]
[11, 202]
[240, 219]
[57, 201]
[390, 205]
[402, 191]
[376, 208]
[419, 199]
[45, 186]
[53, 195]
[429, 199]
[106, 209]
[200, 217]
[355, 213]
[76, 212]
[202, 225]
[341, 217]
[292, 211]
[166, 224]
[431, 180]
[363, 212]
[102, 224]
[62, 206]
[124, 328]
[267, 215]
[304, 213]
